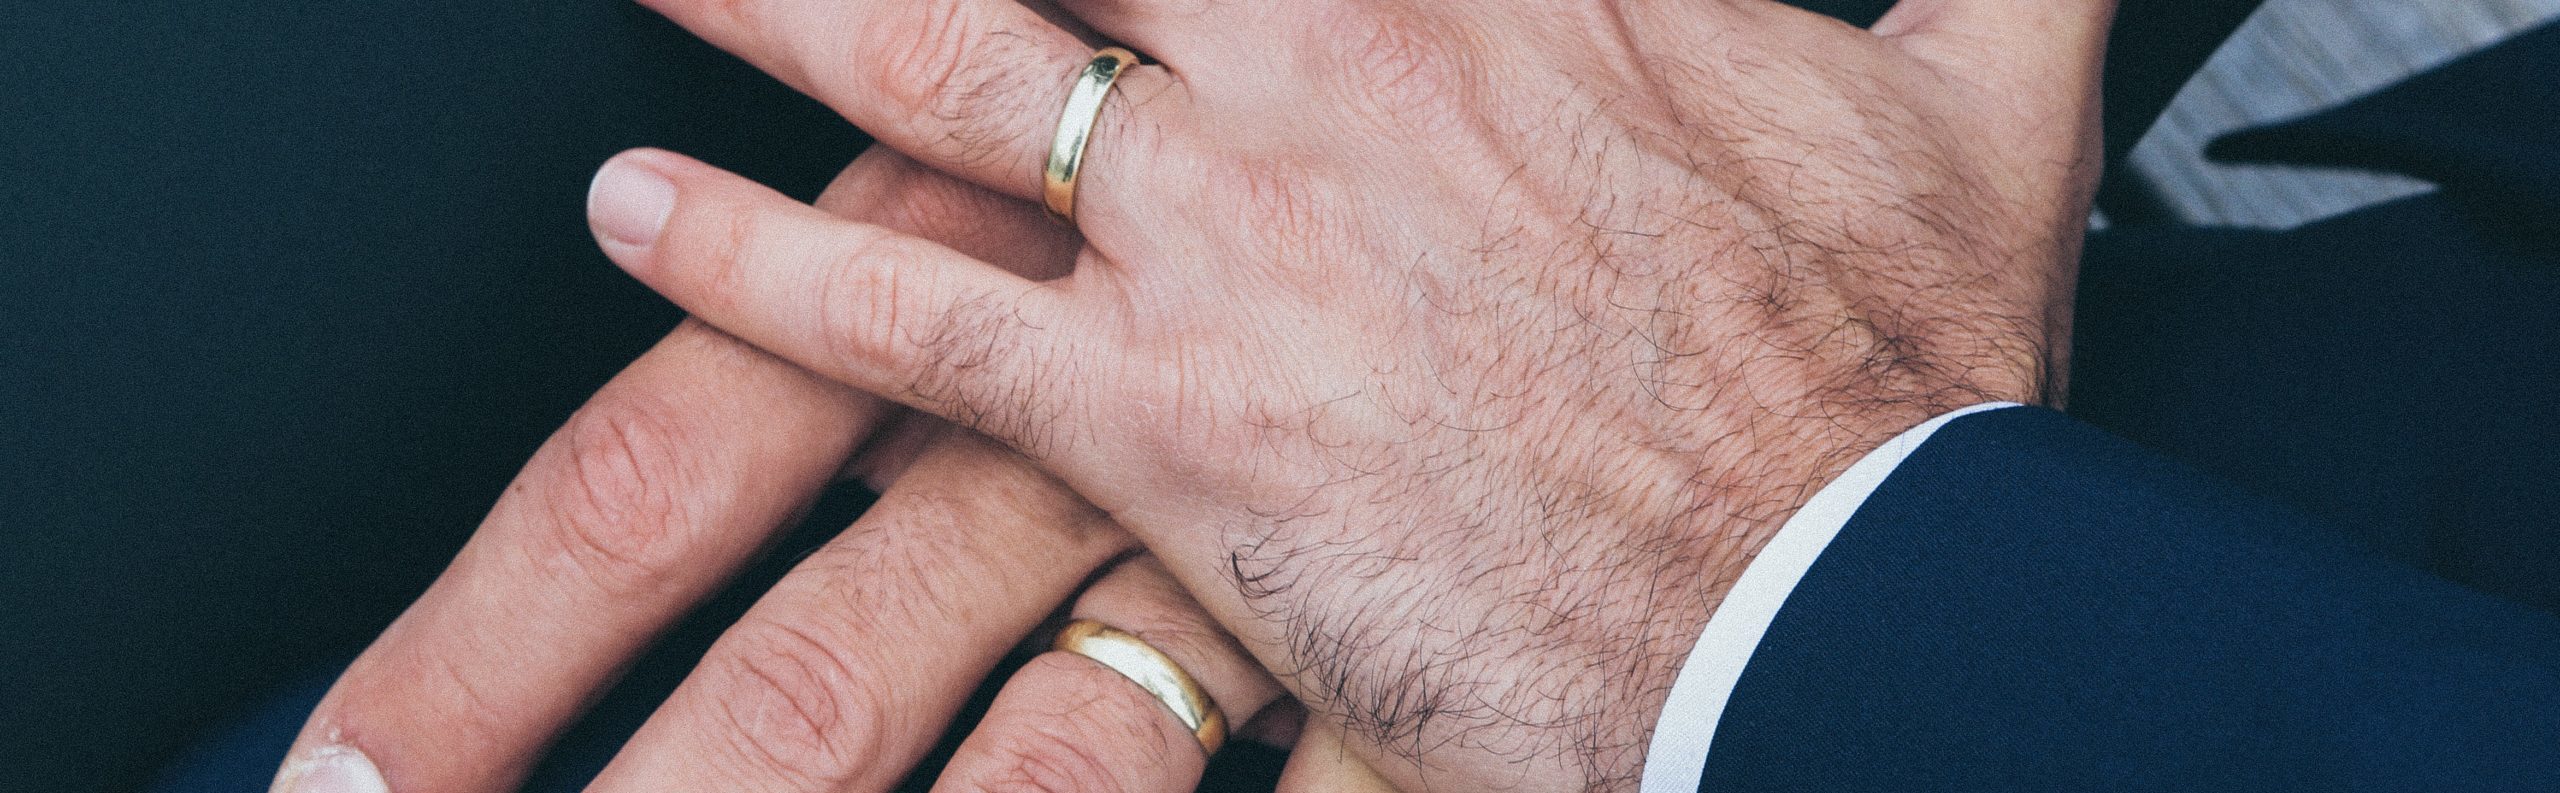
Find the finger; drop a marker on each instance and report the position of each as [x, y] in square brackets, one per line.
[655, 491]
[893, 448]
[1323, 763]
[1067, 722]
[889, 190]
[885, 187]
[886, 312]
[971, 87]
[844, 674]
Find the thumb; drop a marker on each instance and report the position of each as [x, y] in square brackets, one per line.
[2047, 51]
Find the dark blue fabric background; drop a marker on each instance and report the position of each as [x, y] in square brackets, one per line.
[287, 293]
[2031, 604]
[2363, 593]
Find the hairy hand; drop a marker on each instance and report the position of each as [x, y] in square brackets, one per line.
[677, 473]
[1457, 356]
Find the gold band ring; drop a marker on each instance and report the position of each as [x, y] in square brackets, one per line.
[1075, 126]
[1152, 670]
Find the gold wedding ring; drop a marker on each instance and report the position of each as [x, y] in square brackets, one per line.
[1152, 670]
[1075, 127]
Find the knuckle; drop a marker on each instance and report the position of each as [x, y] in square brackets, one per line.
[1047, 759]
[787, 701]
[862, 304]
[619, 515]
[919, 60]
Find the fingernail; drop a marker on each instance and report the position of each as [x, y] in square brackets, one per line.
[331, 769]
[629, 203]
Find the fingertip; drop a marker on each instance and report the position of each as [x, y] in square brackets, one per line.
[629, 202]
[330, 769]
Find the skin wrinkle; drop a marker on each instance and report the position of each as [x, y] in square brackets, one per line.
[1512, 342]
[967, 82]
[961, 344]
[1397, 714]
[1411, 689]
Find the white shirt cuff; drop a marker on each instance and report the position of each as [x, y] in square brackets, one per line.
[1677, 759]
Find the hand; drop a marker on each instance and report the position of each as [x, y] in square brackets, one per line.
[1456, 356]
[848, 670]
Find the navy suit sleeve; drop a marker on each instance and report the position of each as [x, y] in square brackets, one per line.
[2030, 603]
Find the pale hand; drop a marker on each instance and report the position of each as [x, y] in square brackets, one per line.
[1456, 356]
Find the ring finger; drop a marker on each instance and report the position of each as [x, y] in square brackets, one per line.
[1070, 721]
[843, 674]
[672, 476]
[971, 87]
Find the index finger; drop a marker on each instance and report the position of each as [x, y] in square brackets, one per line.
[668, 479]
[973, 88]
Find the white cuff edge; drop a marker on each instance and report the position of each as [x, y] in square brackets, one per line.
[1677, 758]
